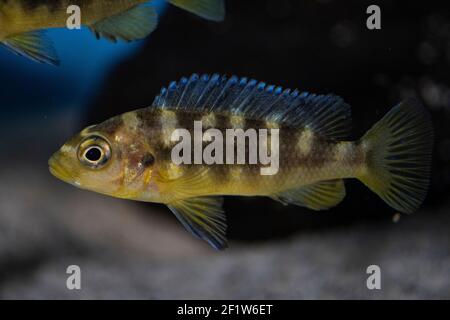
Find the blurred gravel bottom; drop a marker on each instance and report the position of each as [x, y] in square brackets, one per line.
[126, 252]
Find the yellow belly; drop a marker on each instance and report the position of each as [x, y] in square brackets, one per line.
[17, 20]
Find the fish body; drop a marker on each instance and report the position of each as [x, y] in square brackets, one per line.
[23, 16]
[317, 158]
[312, 154]
[22, 21]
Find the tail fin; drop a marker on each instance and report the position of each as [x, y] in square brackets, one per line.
[209, 9]
[398, 156]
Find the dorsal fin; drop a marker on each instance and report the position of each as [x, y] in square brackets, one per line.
[326, 115]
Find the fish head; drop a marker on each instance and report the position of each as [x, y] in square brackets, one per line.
[109, 158]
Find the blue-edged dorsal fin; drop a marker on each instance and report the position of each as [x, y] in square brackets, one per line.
[326, 115]
[34, 45]
[318, 196]
[209, 9]
[133, 24]
[203, 217]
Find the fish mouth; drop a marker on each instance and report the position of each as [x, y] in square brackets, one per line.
[57, 170]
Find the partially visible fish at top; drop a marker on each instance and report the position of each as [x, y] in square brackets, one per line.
[129, 156]
[23, 22]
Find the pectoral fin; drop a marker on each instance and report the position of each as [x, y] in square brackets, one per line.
[209, 9]
[204, 218]
[318, 196]
[34, 45]
[134, 24]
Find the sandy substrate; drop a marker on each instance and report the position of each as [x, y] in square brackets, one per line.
[124, 251]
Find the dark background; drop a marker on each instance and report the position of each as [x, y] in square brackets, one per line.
[315, 46]
[136, 250]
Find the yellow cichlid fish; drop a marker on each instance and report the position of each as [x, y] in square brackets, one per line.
[22, 21]
[131, 156]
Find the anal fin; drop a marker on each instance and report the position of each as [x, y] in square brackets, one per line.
[209, 9]
[34, 45]
[203, 217]
[133, 24]
[318, 196]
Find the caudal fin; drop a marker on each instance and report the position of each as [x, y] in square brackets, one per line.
[398, 156]
[209, 9]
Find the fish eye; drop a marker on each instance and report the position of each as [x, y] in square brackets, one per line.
[94, 152]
